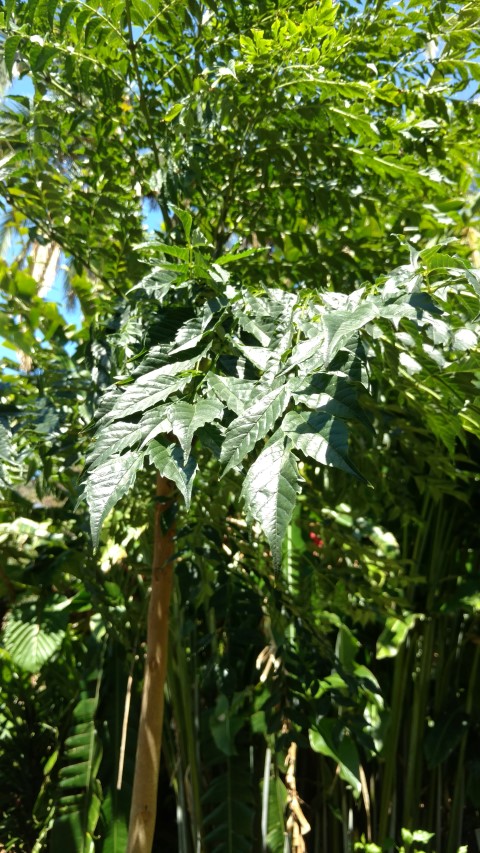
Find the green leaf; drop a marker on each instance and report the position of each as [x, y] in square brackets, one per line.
[235, 393]
[329, 739]
[10, 51]
[419, 836]
[106, 484]
[269, 491]
[113, 438]
[321, 437]
[246, 430]
[185, 218]
[33, 634]
[333, 395]
[173, 112]
[168, 459]
[145, 392]
[186, 418]
[394, 634]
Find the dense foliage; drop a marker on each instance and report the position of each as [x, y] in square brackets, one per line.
[294, 346]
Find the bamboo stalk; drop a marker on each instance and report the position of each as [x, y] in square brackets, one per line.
[456, 816]
[149, 743]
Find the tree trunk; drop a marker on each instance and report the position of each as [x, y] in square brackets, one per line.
[149, 744]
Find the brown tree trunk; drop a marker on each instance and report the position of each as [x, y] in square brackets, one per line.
[149, 744]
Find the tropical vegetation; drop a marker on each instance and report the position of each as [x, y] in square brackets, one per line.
[249, 431]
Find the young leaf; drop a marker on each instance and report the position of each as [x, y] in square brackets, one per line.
[269, 491]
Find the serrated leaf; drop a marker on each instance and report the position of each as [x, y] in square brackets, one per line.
[246, 430]
[168, 460]
[145, 392]
[340, 326]
[211, 437]
[106, 484]
[235, 393]
[260, 357]
[190, 334]
[32, 635]
[186, 418]
[113, 438]
[321, 437]
[269, 491]
[304, 351]
[157, 283]
[333, 395]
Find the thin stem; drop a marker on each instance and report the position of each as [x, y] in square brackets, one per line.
[147, 764]
[265, 797]
[455, 833]
[141, 92]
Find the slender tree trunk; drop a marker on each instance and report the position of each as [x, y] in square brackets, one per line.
[149, 744]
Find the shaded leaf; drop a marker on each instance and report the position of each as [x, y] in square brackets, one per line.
[32, 635]
[329, 739]
[168, 460]
[320, 437]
